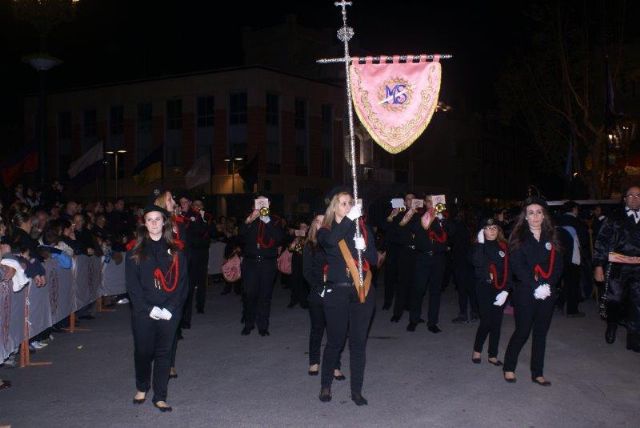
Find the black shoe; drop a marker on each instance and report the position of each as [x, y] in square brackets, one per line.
[512, 380]
[163, 409]
[540, 382]
[264, 332]
[6, 384]
[386, 306]
[325, 395]
[246, 331]
[138, 400]
[173, 375]
[359, 399]
[576, 315]
[496, 363]
[339, 377]
[313, 373]
[476, 360]
[395, 318]
[434, 329]
[412, 326]
[460, 319]
[610, 334]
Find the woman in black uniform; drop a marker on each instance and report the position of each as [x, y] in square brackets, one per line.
[490, 260]
[342, 308]
[537, 268]
[157, 286]
[314, 263]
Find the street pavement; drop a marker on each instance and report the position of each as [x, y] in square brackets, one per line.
[412, 379]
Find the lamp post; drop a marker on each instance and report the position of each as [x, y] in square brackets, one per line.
[233, 161]
[115, 154]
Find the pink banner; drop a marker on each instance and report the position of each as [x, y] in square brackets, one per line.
[395, 102]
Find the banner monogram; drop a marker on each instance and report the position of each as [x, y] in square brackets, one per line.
[395, 102]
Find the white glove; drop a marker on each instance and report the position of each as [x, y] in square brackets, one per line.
[265, 219]
[360, 244]
[156, 313]
[440, 216]
[355, 212]
[501, 298]
[542, 292]
[165, 314]
[481, 236]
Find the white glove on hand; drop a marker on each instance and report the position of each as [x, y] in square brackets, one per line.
[439, 216]
[481, 236]
[265, 219]
[501, 298]
[355, 212]
[156, 313]
[542, 292]
[360, 244]
[165, 314]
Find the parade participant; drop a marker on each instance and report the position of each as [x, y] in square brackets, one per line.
[262, 235]
[393, 247]
[537, 267]
[297, 283]
[400, 242]
[618, 248]
[156, 281]
[490, 259]
[462, 270]
[431, 246]
[314, 261]
[198, 241]
[345, 307]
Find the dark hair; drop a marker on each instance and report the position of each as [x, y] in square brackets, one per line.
[138, 251]
[521, 228]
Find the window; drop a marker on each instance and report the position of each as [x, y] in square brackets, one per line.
[205, 121]
[237, 124]
[238, 108]
[90, 123]
[174, 114]
[205, 112]
[116, 120]
[143, 131]
[302, 137]
[273, 134]
[327, 140]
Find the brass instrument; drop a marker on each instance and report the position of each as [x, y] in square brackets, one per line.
[403, 209]
[440, 208]
[264, 211]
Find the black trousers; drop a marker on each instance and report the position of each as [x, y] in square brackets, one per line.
[490, 318]
[257, 280]
[406, 266]
[570, 293]
[318, 326]
[153, 341]
[429, 270]
[465, 285]
[297, 283]
[531, 315]
[344, 312]
[391, 270]
[198, 261]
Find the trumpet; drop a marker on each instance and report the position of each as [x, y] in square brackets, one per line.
[264, 211]
[403, 209]
[440, 208]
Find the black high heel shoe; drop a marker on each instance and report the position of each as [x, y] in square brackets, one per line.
[540, 382]
[325, 395]
[510, 380]
[496, 363]
[341, 376]
[359, 399]
[140, 400]
[163, 409]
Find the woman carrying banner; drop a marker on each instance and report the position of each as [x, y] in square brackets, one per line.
[313, 265]
[345, 307]
[537, 268]
[157, 286]
[490, 259]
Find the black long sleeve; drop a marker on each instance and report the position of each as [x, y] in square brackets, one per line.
[522, 262]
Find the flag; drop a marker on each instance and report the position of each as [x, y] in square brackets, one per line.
[249, 174]
[22, 161]
[150, 168]
[89, 160]
[199, 173]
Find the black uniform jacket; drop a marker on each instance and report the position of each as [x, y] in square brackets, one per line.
[329, 238]
[140, 282]
[523, 260]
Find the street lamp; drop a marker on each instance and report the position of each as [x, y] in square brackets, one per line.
[233, 161]
[115, 153]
